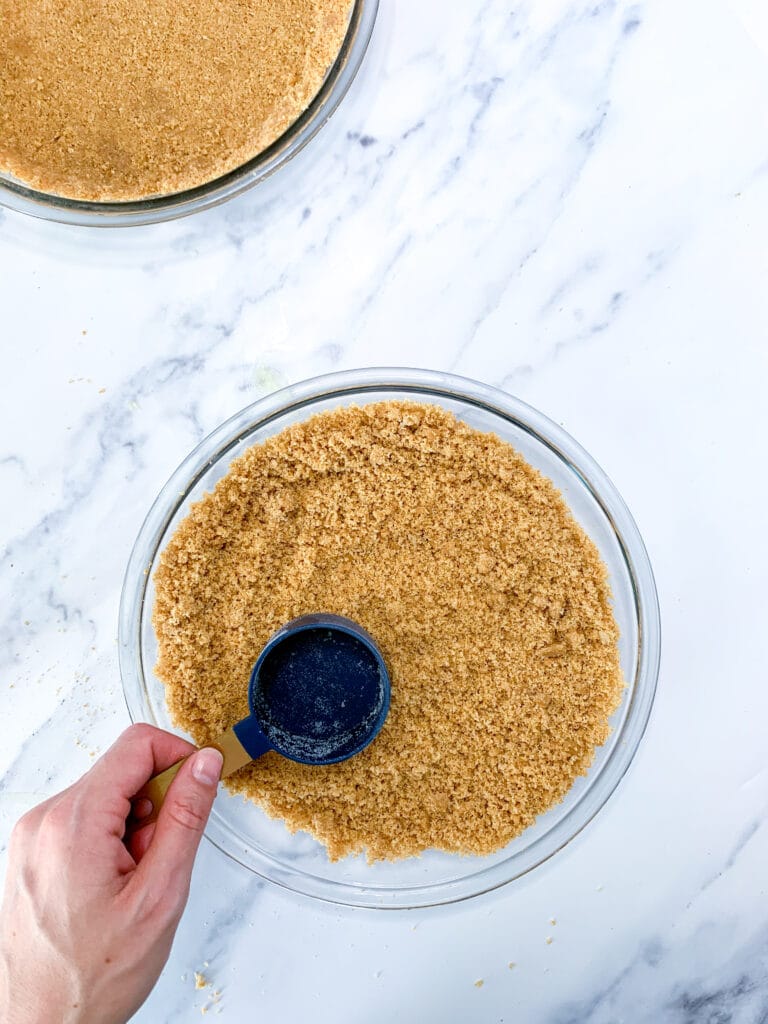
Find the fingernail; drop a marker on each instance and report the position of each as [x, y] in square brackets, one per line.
[142, 808]
[206, 766]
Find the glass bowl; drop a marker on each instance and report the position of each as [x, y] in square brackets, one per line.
[239, 828]
[17, 196]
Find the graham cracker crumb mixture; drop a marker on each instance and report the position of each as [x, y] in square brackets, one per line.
[489, 603]
[123, 99]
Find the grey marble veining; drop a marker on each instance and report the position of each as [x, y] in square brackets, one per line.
[568, 200]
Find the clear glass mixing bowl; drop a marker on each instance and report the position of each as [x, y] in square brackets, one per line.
[15, 195]
[298, 862]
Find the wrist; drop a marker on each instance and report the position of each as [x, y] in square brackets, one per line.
[24, 1000]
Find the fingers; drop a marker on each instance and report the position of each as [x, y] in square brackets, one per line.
[138, 833]
[167, 863]
[138, 841]
[139, 753]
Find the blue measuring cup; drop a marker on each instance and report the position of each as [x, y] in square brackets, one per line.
[318, 694]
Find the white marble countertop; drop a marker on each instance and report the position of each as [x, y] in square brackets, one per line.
[565, 199]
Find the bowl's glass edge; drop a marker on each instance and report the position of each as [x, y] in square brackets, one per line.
[634, 552]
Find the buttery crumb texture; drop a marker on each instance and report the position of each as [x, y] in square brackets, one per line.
[124, 99]
[490, 604]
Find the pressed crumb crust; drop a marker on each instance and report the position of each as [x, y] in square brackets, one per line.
[124, 99]
[489, 603]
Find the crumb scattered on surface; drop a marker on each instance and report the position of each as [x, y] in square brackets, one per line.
[466, 566]
[553, 920]
[549, 940]
[511, 965]
[200, 980]
[112, 100]
[479, 983]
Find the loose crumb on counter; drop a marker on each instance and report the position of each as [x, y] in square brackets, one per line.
[489, 602]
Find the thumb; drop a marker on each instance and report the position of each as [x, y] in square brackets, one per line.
[168, 862]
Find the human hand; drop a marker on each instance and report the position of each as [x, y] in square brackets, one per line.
[89, 911]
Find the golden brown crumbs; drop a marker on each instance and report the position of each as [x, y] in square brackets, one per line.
[489, 602]
[118, 99]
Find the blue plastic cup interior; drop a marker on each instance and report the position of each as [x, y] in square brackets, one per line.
[319, 692]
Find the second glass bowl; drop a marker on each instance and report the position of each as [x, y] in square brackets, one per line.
[298, 862]
[15, 195]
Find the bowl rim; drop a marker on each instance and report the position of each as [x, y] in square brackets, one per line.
[21, 198]
[423, 383]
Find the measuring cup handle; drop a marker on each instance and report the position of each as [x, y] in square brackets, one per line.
[156, 789]
[250, 736]
[239, 745]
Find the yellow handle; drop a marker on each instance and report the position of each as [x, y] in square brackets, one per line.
[235, 756]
